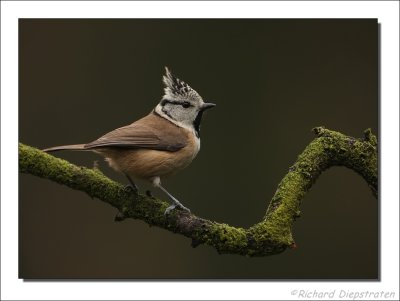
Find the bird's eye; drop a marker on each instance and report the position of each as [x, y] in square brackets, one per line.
[186, 105]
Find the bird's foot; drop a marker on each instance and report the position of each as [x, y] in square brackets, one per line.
[132, 185]
[134, 189]
[176, 205]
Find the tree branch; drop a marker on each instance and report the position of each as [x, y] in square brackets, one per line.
[270, 236]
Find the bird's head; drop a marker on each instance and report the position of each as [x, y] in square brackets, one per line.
[181, 104]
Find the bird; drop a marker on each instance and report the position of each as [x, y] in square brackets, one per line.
[158, 145]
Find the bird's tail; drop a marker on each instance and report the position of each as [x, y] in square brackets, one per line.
[65, 147]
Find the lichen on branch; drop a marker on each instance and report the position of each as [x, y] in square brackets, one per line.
[270, 236]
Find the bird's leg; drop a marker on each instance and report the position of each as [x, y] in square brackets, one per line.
[157, 183]
[120, 215]
[175, 204]
[132, 184]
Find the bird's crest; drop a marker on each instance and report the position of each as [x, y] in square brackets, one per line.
[176, 89]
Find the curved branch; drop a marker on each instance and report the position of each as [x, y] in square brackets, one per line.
[270, 236]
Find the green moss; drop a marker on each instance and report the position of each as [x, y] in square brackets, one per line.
[227, 238]
[94, 183]
[371, 138]
[271, 236]
[329, 148]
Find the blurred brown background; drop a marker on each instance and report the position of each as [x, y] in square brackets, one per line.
[273, 81]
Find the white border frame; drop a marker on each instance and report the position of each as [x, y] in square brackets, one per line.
[13, 288]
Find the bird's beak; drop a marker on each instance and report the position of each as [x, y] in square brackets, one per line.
[207, 105]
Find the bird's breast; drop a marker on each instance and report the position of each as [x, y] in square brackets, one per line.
[148, 163]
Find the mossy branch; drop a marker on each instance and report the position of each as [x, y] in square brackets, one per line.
[270, 236]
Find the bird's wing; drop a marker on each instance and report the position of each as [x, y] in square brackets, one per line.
[150, 132]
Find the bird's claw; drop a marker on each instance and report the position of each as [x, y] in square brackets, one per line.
[178, 205]
[169, 209]
[184, 208]
[131, 188]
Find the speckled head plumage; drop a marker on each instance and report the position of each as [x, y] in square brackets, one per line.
[181, 104]
[176, 89]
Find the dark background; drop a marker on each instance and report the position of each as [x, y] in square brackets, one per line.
[272, 80]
